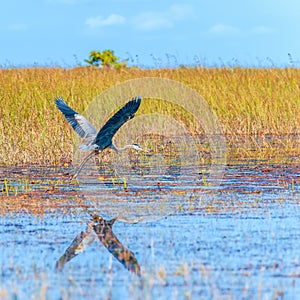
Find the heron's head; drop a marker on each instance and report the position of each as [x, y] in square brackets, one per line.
[137, 147]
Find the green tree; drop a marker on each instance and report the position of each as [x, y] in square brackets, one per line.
[105, 59]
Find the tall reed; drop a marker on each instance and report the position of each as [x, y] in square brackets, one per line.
[248, 102]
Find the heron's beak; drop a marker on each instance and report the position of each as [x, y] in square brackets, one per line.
[148, 151]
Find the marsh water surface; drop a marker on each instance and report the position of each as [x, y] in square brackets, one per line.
[238, 239]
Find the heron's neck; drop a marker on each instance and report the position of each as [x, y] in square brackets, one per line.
[114, 147]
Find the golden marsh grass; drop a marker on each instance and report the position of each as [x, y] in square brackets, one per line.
[248, 103]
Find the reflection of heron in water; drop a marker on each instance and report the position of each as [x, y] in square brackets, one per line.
[98, 141]
[103, 230]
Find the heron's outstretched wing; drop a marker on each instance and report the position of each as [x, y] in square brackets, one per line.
[79, 123]
[106, 133]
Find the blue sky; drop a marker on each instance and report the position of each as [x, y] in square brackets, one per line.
[149, 33]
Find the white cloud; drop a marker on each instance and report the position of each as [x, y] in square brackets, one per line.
[147, 21]
[113, 19]
[160, 20]
[223, 29]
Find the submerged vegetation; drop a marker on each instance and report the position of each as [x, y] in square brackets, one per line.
[258, 109]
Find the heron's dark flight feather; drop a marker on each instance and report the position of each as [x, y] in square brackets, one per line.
[106, 133]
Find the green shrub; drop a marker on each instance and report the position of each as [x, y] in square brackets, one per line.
[105, 59]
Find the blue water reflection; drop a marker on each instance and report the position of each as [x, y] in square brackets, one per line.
[240, 240]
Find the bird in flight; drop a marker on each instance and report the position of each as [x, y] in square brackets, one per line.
[98, 141]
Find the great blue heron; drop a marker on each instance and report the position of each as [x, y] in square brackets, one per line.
[98, 141]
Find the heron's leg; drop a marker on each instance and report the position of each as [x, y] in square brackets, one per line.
[83, 163]
[97, 160]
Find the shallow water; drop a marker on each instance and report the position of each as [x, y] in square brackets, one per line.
[237, 239]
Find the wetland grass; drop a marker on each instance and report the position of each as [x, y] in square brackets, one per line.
[258, 110]
[259, 106]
